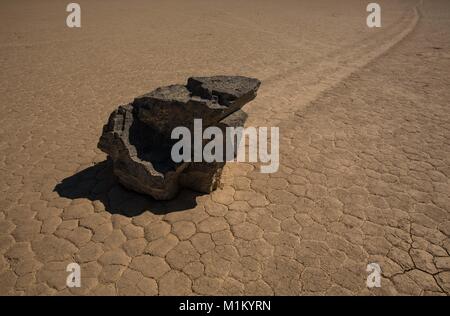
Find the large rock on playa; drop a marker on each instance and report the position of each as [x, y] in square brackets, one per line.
[137, 136]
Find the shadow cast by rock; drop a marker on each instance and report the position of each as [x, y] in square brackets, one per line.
[98, 183]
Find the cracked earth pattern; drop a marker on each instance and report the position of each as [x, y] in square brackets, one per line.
[364, 177]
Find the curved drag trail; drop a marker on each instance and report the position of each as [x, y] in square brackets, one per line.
[307, 81]
[364, 151]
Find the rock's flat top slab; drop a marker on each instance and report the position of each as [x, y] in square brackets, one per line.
[208, 98]
[172, 93]
[226, 89]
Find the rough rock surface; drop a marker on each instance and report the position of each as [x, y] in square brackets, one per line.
[204, 176]
[137, 136]
[208, 98]
[140, 161]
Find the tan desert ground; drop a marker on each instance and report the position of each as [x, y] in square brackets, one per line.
[364, 118]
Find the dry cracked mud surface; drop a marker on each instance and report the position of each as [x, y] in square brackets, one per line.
[364, 163]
